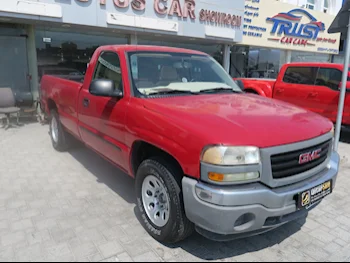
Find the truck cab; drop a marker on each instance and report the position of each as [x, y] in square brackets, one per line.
[313, 86]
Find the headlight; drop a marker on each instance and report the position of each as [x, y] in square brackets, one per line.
[222, 155]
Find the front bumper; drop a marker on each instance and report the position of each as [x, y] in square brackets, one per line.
[245, 210]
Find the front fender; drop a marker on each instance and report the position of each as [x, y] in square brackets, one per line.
[181, 154]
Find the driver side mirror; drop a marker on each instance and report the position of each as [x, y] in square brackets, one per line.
[105, 88]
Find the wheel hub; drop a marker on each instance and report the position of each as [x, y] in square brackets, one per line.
[54, 129]
[156, 201]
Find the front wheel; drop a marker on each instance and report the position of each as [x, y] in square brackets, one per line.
[160, 201]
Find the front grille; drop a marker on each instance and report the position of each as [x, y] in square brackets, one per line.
[287, 164]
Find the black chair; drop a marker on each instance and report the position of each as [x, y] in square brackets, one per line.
[8, 106]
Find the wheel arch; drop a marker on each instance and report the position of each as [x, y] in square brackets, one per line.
[142, 150]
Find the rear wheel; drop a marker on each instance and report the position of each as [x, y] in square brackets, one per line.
[160, 201]
[61, 140]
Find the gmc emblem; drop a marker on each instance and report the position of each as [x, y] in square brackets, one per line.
[310, 156]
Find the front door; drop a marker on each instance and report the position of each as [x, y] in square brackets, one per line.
[14, 64]
[297, 87]
[102, 119]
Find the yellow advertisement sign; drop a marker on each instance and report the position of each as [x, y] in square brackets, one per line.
[270, 23]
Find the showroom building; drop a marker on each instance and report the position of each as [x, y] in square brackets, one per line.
[250, 38]
[47, 36]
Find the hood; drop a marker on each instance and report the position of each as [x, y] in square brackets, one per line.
[241, 119]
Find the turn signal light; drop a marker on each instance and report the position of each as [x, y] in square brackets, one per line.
[239, 177]
[216, 177]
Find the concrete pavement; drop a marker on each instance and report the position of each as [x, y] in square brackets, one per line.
[77, 207]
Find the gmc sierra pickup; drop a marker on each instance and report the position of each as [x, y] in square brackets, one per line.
[204, 154]
[313, 86]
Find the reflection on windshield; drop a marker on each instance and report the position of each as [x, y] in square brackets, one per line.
[159, 72]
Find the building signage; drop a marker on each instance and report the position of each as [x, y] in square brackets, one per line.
[216, 24]
[187, 10]
[186, 18]
[279, 25]
[292, 31]
[174, 7]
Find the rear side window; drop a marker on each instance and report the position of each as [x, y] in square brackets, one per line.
[301, 75]
[329, 77]
[108, 67]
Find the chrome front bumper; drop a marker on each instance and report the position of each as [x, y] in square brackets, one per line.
[245, 210]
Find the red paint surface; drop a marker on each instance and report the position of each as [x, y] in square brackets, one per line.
[319, 99]
[181, 126]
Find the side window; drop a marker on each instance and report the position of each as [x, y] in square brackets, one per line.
[108, 67]
[329, 77]
[300, 75]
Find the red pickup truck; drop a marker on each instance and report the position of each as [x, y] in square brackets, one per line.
[204, 154]
[313, 86]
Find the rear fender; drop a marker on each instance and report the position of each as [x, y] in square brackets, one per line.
[50, 104]
[263, 89]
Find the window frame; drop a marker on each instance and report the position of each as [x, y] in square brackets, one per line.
[318, 68]
[310, 3]
[98, 63]
[325, 8]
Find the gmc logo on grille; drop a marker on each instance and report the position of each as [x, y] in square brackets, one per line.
[310, 156]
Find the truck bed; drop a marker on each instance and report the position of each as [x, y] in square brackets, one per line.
[66, 95]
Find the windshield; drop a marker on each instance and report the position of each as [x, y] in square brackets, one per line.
[168, 72]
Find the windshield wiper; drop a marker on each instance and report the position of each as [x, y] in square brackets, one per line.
[165, 92]
[219, 89]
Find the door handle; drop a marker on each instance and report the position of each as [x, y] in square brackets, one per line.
[280, 90]
[313, 94]
[86, 102]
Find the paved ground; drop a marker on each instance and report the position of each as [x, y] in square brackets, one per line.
[77, 207]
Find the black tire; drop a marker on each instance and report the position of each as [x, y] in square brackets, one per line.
[64, 140]
[178, 226]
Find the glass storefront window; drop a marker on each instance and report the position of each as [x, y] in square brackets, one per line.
[14, 71]
[68, 53]
[338, 59]
[11, 30]
[251, 62]
[298, 56]
[214, 50]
